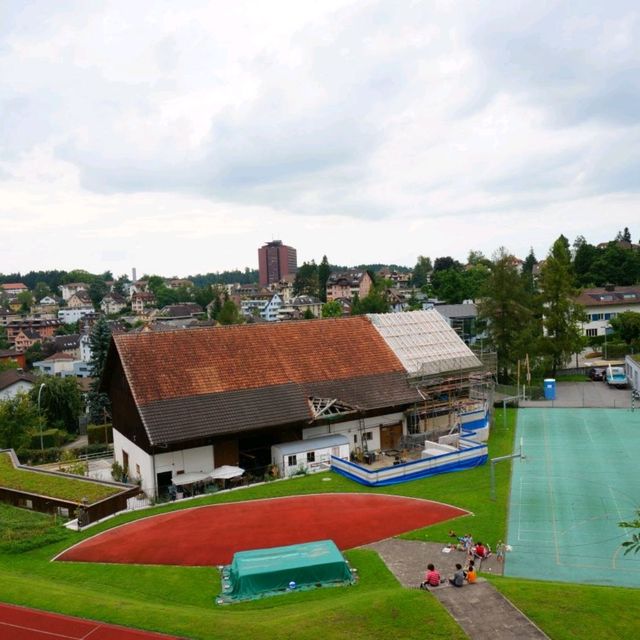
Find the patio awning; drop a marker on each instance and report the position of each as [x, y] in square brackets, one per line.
[190, 478]
[226, 472]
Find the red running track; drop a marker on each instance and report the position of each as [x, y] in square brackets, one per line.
[205, 536]
[20, 623]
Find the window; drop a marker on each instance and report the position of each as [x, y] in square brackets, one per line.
[292, 461]
[355, 438]
[591, 333]
[413, 423]
[367, 435]
[607, 316]
[596, 316]
[311, 456]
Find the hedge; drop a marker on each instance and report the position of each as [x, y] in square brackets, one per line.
[49, 438]
[96, 433]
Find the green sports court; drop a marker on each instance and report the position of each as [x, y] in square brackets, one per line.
[580, 476]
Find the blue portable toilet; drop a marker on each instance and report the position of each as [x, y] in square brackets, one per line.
[549, 389]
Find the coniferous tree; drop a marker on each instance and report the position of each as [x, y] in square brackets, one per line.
[324, 271]
[98, 401]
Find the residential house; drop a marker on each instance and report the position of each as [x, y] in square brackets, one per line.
[463, 318]
[178, 283]
[68, 344]
[112, 303]
[349, 284]
[43, 328]
[12, 289]
[192, 400]
[7, 315]
[80, 300]
[398, 278]
[48, 301]
[69, 315]
[141, 302]
[299, 306]
[58, 364]
[265, 307]
[139, 286]
[10, 355]
[68, 290]
[24, 339]
[181, 311]
[13, 382]
[602, 304]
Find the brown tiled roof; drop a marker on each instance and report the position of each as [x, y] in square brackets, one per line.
[201, 382]
[13, 285]
[211, 360]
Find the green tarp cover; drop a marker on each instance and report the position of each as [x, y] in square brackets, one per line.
[264, 571]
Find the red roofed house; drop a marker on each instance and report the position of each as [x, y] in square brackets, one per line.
[9, 355]
[12, 289]
[192, 400]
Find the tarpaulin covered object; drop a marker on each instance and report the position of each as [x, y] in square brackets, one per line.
[254, 574]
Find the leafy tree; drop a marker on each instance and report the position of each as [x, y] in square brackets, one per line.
[562, 315]
[324, 271]
[616, 265]
[627, 326]
[306, 281]
[585, 255]
[332, 309]
[508, 311]
[448, 285]
[41, 290]
[4, 343]
[118, 285]
[203, 295]
[97, 290]
[25, 298]
[34, 353]
[624, 236]
[308, 314]
[422, 271]
[477, 257]
[18, 419]
[6, 365]
[375, 301]
[229, 314]
[60, 401]
[446, 262]
[68, 329]
[98, 401]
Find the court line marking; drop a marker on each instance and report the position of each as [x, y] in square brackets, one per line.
[550, 488]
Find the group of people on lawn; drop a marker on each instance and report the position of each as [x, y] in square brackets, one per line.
[477, 551]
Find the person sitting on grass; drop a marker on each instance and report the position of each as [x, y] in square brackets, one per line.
[431, 577]
[470, 573]
[458, 577]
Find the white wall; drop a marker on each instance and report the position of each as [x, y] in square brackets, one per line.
[18, 387]
[632, 369]
[351, 430]
[197, 460]
[322, 458]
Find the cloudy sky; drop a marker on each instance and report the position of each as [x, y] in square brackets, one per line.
[177, 137]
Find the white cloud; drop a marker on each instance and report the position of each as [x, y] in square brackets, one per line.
[180, 137]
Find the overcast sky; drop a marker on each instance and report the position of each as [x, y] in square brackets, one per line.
[177, 137]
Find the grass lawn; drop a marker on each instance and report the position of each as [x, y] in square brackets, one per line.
[180, 600]
[574, 377]
[50, 485]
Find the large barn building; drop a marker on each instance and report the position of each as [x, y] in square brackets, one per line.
[192, 400]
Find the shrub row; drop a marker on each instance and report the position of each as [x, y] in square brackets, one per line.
[100, 434]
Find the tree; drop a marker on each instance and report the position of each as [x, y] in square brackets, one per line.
[527, 271]
[306, 281]
[422, 272]
[97, 290]
[584, 256]
[627, 326]
[446, 262]
[229, 314]
[508, 311]
[98, 401]
[25, 298]
[448, 285]
[477, 257]
[60, 401]
[118, 285]
[332, 309]
[375, 301]
[324, 271]
[308, 314]
[562, 315]
[41, 290]
[18, 420]
[4, 343]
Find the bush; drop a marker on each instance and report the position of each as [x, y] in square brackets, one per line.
[50, 438]
[38, 456]
[96, 434]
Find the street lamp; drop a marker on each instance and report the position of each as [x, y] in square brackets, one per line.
[42, 386]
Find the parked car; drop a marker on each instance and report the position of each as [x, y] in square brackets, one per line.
[597, 373]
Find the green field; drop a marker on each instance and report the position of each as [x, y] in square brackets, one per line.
[180, 600]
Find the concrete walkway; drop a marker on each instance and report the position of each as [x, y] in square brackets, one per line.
[480, 609]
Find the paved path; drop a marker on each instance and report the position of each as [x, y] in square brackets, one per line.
[480, 609]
